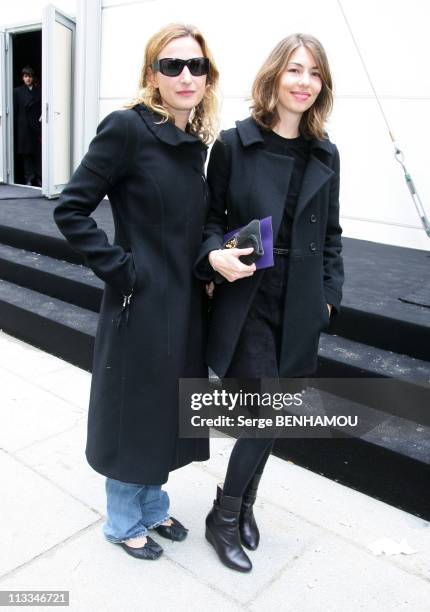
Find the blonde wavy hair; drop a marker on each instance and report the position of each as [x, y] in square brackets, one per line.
[266, 84]
[204, 118]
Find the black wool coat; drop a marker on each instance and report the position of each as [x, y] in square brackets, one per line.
[248, 182]
[27, 105]
[153, 175]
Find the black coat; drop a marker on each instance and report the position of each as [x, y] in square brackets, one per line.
[27, 107]
[153, 176]
[248, 182]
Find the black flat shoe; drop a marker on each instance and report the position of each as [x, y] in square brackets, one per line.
[151, 550]
[176, 532]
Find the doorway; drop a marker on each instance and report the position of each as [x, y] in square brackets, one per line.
[26, 48]
[48, 47]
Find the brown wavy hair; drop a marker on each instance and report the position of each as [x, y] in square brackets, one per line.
[266, 84]
[204, 118]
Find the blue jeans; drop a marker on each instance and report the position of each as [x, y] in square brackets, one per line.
[132, 509]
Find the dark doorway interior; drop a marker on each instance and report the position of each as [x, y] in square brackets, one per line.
[27, 50]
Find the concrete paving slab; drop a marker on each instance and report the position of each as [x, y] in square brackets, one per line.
[286, 536]
[346, 512]
[101, 576]
[35, 514]
[30, 413]
[62, 460]
[338, 508]
[334, 575]
[314, 554]
[70, 383]
[19, 357]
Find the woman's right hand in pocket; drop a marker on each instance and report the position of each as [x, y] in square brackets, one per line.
[227, 263]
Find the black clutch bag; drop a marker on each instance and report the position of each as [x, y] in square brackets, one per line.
[243, 238]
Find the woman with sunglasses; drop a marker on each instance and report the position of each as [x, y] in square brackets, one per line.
[266, 324]
[149, 160]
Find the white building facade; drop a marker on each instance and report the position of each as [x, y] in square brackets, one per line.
[91, 57]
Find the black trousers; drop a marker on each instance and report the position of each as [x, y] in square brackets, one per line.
[32, 166]
[257, 356]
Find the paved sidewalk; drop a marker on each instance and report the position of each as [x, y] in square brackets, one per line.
[317, 543]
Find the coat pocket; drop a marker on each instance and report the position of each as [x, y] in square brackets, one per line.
[123, 314]
[325, 316]
[134, 275]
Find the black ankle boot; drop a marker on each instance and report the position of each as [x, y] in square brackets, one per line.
[249, 534]
[222, 531]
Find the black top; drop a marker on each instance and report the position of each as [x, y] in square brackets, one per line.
[298, 148]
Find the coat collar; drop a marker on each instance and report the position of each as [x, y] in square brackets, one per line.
[277, 169]
[250, 134]
[167, 132]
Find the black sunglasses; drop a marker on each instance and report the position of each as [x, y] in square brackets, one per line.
[170, 66]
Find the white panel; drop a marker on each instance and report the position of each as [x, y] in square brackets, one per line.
[113, 3]
[62, 98]
[107, 106]
[57, 100]
[87, 60]
[392, 37]
[233, 109]
[372, 182]
[2, 110]
[25, 11]
[385, 233]
[238, 52]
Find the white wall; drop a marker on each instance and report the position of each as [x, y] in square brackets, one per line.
[24, 11]
[392, 36]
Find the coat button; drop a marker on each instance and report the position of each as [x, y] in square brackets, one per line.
[313, 246]
[313, 218]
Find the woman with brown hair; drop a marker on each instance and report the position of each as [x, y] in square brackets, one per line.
[149, 160]
[279, 162]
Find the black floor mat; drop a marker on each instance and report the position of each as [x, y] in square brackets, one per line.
[12, 192]
[419, 296]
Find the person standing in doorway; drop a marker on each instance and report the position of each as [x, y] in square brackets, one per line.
[27, 108]
[149, 160]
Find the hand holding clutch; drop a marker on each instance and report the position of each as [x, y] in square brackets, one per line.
[247, 237]
[227, 264]
[236, 260]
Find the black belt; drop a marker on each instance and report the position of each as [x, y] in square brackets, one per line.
[279, 251]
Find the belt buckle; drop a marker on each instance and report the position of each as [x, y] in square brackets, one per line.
[280, 251]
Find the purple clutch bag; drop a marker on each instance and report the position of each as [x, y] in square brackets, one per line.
[266, 260]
